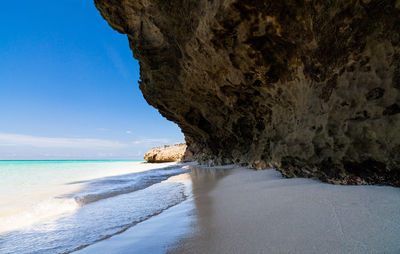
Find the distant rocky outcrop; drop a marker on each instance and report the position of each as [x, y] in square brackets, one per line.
[167, 154]
[311, 88]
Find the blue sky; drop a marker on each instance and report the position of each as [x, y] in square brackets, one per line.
[68, 86]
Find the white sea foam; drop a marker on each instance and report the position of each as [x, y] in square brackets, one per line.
[45, 210]
[34, 191]
[63, 216]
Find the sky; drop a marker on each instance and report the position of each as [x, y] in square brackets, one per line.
[69, 86]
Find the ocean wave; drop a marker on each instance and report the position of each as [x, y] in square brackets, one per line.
[95, 221]
[93, 190]
[47, 209]
[103, 188]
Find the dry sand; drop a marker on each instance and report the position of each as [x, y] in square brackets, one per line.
[261, 212]
[245, 211]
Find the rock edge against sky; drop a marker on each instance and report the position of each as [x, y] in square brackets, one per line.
[311, 88]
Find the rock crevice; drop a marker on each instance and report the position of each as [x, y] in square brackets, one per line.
[309, 87]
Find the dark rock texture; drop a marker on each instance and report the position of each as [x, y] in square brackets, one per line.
[310, 87]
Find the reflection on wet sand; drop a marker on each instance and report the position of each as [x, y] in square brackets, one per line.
[159, 233]
[204, 180]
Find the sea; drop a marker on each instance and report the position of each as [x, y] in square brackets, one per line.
[63, 206]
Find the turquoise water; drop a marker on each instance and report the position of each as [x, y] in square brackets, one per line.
[12, 172]
[65, 200]
[24, 184]
[22, 176]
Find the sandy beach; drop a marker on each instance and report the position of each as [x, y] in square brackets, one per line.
[245, 211]
[200, 127]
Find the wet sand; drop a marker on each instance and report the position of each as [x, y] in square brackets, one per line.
[245, 211]
[163, 232]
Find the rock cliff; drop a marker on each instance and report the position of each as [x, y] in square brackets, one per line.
[310, 87]
[166, 153]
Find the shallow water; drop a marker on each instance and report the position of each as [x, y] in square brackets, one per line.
[62, 206]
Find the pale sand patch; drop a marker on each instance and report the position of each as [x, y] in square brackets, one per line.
[246, 211]
[261, 212]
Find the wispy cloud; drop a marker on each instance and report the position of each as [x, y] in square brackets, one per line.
[151, 141]
[7, 139]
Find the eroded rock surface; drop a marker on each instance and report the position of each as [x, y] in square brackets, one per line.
[309, 87]
[167, 154]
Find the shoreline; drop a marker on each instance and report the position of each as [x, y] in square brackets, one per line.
[103, 200]
[245, 211]
[44, 202]
[154, 234]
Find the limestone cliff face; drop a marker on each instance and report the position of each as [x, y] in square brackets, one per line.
[310, 87]
[167, 154]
